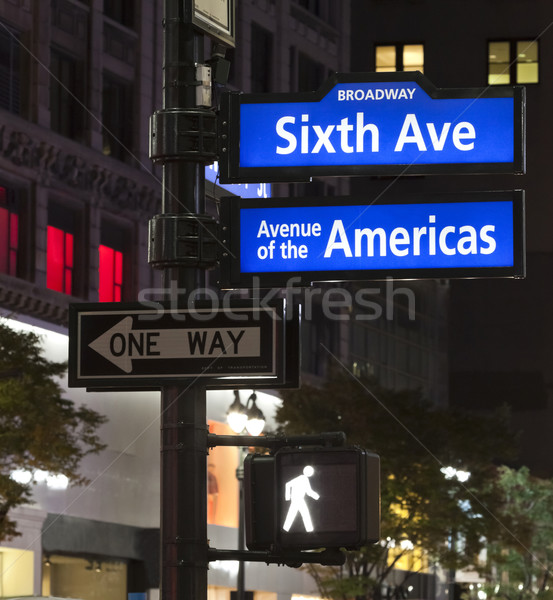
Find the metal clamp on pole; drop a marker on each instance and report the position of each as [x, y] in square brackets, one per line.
[183, 134]
[326, 439]
[182, 241]
[328, 557]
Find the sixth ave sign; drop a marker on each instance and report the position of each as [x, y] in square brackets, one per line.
[371, 124]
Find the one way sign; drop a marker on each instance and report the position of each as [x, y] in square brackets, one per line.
[134, 345]
[123, 343]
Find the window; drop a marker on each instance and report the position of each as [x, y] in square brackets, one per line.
[324, 9]
[117, 118]
[10, 70]
[222, 485]
[121, 11]
[59, 274]
[111, 263]
[311, 74]
[71, 576]
[9, 232]
[261, 59]
[512, 62]
[60, 248]
[318, 331]
[399, 57]
[67, 114]
[110, 268]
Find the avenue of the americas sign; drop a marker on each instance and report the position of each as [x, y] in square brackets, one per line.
[372, 124]
[143, 345]
[301, 240]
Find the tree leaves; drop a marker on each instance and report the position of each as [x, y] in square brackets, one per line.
[39, 429]
[415, 440]
[520, 561]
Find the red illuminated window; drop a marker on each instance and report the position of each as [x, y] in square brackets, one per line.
[9, 236]
[59, 268]
[111, 274]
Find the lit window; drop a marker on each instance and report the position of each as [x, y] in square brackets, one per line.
[9, 235]
[222, 485]
[399, 57]
[413, 57]
[60, 249]
[110, 274]
[113, 259]
[512, 62]
[498, 63]
[59, 269]
[385, 59]
[527, 62]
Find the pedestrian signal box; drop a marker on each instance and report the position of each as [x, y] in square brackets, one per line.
[302, 499]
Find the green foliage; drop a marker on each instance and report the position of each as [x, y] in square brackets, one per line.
[39, 429]
[419, 505]
[520, 563]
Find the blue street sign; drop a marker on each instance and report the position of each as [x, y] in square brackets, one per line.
[246, 190]
[298, 241]
[378, 124]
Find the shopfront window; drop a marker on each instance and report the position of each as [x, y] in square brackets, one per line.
[85, 578]
[16, 572]
[222, 485]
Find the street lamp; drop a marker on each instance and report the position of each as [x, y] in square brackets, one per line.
[452, 472]
[251, 419]
[237, 416]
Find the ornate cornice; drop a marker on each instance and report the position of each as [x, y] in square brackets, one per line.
[47, 159]
[23, 297]
[56, 161]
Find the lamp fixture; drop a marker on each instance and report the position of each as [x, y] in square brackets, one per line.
[237, 415]
[452, 472]
[249, 417]
[256, 419]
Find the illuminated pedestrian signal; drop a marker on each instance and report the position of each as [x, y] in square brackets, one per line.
[302, 499]
[296, 491]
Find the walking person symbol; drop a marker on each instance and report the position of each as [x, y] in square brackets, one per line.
[295, 492]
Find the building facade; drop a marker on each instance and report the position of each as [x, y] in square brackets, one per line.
[79, 81]
[500, 336]
[77, 188]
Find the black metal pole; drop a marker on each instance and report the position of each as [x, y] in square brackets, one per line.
[184, 558]
[240, 579]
